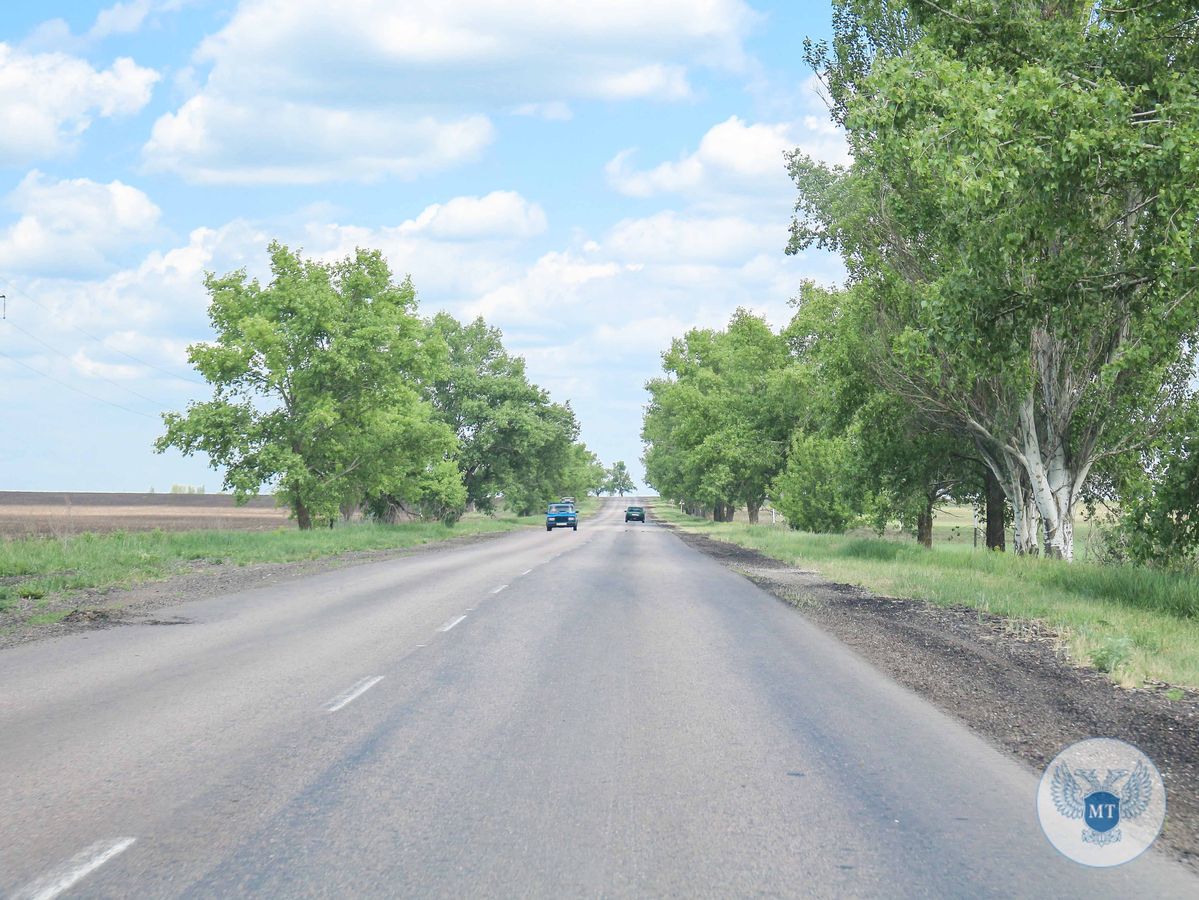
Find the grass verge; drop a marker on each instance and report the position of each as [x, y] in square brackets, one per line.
[1139, 625]
[33, 568]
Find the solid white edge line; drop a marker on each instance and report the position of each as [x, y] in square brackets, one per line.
[76, 869]
[451, 623]
[497, 590]
[353, 693]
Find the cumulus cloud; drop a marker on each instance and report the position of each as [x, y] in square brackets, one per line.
[502, 215]
[307, 91]
[73, 225]
[47, 100]
[212, 139]
[734, 157]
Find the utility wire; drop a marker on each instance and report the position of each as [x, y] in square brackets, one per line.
[13, 287]
[116, 384]
[77, 390]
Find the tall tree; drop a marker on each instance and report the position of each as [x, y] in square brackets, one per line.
[619, 481]
[718, 422]
[514, 439]
[1022, 207]
[317, 380]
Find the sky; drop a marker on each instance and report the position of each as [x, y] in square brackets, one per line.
[593, 177]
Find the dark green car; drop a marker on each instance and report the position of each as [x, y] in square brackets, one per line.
[634, 514]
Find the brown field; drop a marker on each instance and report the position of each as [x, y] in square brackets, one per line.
[51, 513]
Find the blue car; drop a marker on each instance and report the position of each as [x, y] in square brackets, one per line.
[561, 515]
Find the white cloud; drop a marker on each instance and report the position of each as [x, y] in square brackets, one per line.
[501, 215]
[307, 91]
[662, 82]
[211, 139]
[47, 100]
[73, 225]
[733, 157]
[121, 18]
[671, 238]
[553, 111]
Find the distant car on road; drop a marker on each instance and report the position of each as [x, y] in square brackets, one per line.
[634, 514]
[561, 515]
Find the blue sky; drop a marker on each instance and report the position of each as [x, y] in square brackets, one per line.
[591, 177]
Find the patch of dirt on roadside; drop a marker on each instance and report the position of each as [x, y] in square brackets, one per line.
[94, 608]
[1009, 680]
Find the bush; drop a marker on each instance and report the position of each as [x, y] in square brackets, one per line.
[817, 490]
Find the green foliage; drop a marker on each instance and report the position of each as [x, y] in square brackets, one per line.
[1022, 212]
[317, 387]
[718, 423]
[816, 489]
[1160, 496]
[617, 479]
[514, 441]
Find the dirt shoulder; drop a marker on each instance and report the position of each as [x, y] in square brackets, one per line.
[156, 602]
[1007, 680]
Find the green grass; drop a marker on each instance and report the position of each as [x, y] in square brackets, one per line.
[1138, 624]
[38, 567]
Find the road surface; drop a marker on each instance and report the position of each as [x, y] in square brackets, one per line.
[605, 713]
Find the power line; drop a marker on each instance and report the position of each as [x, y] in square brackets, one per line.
[13, 287]
[77, 390]
[53, 349]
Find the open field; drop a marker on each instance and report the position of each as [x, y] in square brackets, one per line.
[1137, 624]
[68, 513]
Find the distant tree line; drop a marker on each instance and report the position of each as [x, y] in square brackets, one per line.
[1021, 316]
[331, 389]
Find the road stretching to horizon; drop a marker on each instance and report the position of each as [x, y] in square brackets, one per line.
[601, 713]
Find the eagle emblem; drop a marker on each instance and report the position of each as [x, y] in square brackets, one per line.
[1097, 802]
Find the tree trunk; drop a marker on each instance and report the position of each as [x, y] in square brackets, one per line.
[924, 525]
[1052, 483]
[751, 509]
[996, 532]
[303, 517]
[1009, 470]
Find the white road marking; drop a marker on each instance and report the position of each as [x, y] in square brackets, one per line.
[526, 571]
[451, 623]
[76, 869]
[353, 693]
[497, 590]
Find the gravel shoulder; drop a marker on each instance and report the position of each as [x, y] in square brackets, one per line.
[163, 602]
[1006, 680]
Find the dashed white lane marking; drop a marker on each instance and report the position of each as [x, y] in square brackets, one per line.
[497, 590]
[526, 571]
[451, 623]
[353, 693]
[74, 870]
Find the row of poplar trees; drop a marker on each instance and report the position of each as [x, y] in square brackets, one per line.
[1019, 323]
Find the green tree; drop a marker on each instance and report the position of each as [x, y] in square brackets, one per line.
[1022, 209]
[718, 422]
[514, 440]
[618, 480]
[317, 380]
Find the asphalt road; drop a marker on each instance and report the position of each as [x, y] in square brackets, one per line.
[605, 713]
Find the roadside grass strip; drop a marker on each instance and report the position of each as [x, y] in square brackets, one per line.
[36, 567]
[74, 870]
[1138, 624]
